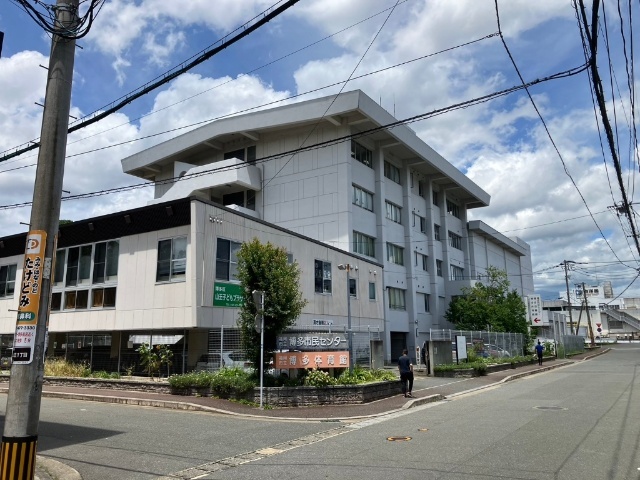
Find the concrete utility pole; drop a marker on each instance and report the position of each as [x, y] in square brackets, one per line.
[18, 452]
[566, 264]
[586, 304]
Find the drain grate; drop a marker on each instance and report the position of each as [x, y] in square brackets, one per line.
[398, 439]
[550, 408]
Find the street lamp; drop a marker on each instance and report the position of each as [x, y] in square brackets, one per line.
[258, 299]
[348, 267]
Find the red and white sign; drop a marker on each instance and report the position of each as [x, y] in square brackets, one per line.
[338, 359]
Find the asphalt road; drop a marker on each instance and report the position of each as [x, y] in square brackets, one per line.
[578, 422]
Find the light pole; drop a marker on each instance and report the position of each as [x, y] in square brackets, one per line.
[258, 299]
[348, 267]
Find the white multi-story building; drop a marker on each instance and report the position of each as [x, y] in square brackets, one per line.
[329, 169]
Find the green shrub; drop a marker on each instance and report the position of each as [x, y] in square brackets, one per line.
[191, 380]
[104, 374]
[480, 368]
[231, 382]
[361, 375]
[319, 378]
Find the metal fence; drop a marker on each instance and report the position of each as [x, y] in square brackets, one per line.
[226, 343]
[499, 342]
[569, 345]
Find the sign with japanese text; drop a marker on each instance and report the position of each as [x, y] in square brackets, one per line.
[227, 295]
[311, 341]
[30, 291]
[339, 359]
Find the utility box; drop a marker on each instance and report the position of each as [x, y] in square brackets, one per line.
[377, 354]
[440, 352]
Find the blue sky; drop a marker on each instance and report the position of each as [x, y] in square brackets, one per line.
[500, 145]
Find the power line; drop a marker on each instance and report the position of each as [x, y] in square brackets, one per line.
[244, 30]
[335, 141]
[544, 124]
[274, 102]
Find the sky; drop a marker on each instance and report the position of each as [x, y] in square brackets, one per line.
[550, 176]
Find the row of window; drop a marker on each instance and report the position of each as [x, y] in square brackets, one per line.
[392, 172]
[322, 274]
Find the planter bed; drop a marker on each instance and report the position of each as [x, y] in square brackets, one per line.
[470, 372]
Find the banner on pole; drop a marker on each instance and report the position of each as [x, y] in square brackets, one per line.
[30, 291]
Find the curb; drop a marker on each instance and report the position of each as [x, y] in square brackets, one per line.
[416, 402]
[54, 470]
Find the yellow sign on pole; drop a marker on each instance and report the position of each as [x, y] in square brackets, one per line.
[30, 289]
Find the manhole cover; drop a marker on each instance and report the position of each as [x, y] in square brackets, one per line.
[549, 408]
[398, 439]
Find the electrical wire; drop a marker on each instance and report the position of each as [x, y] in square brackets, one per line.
[222, 44]
[546, 128]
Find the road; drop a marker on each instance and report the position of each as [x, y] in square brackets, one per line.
[578, 422]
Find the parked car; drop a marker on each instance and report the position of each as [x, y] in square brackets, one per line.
[212, 361]
[494, 351]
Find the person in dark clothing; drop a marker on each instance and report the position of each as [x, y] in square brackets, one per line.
[406, 373]
[539, 350]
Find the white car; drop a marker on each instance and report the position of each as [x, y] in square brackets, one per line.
[211, 361]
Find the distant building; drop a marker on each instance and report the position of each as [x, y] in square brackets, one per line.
[616, 317]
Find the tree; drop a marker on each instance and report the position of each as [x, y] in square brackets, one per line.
[489, 306]
[266, 267]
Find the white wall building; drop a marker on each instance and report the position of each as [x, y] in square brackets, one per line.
[153, 272]
[327, 170]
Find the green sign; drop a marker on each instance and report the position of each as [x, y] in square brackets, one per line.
[227, 295]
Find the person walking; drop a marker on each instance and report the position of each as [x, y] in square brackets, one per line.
[539, 350]
[406, 373]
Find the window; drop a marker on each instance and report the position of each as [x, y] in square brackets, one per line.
[420, 221]
[103, 297]
[364, 244]
[227, 259]
[372, 291]
[422, 261]
[455, 241]
[105, 261]
[421, 189]
[172, 259]
[8, 280]
[439, 268]
[361, 154]
[353, 287]
[246, 199]
[58, 276]
[427, 308]
[76, 299]
[453, 209]
[323, 277]
[362, 198]
[392, 172]
[78, 268]
[434, 199]
[395, 254]
[396, 299]
[394, 212]
[436, 232]
[457, 273]
[248, 154]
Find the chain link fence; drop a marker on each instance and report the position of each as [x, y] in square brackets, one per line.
[496, 344]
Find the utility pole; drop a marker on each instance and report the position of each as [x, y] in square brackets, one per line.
[567, 266]
[19, 441]
[586, 304]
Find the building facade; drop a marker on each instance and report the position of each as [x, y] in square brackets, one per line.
[330, 169]
[164, 274]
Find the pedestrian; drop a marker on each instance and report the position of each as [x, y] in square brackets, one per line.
[406, 373]
[539, 350]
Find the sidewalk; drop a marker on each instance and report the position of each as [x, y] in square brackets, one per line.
[425, 390]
